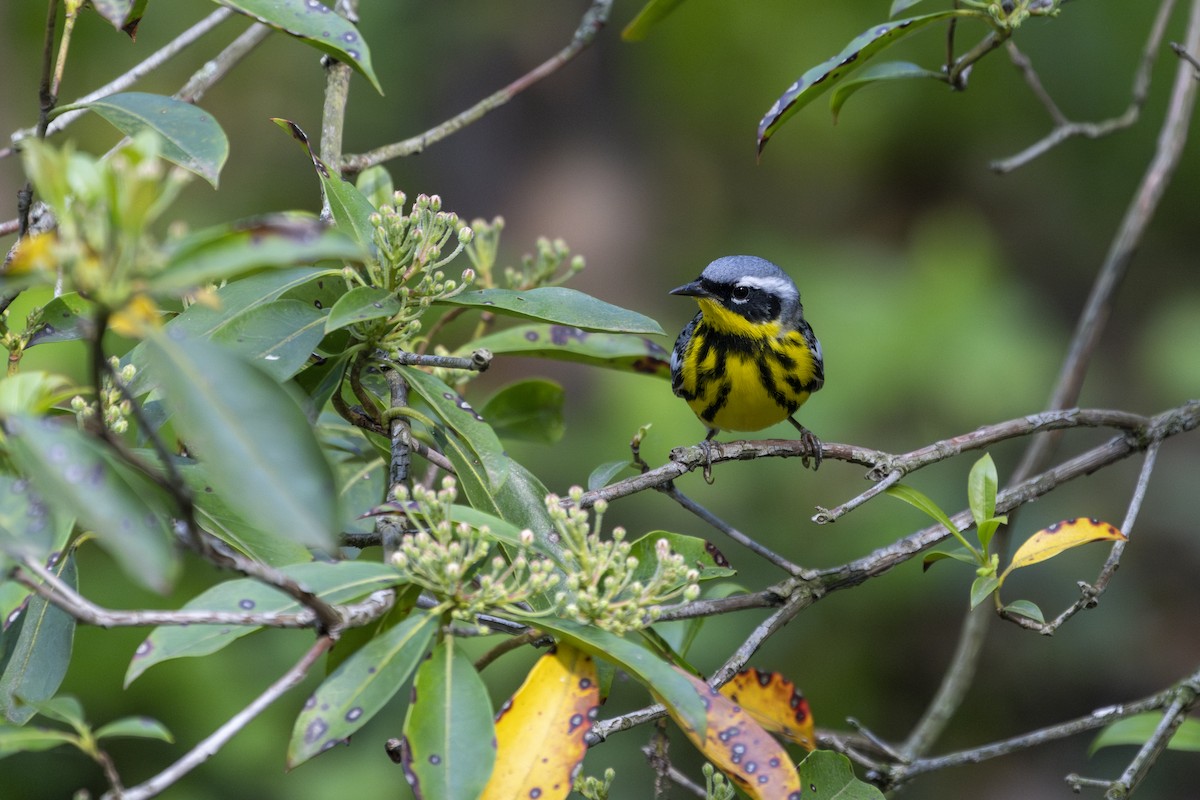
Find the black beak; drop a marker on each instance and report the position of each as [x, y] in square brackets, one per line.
[693, 289]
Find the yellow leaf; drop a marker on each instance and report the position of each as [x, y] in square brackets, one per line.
[540, 730]
[34, 253]
[1049, 542]
[739, 747]
[775, 703]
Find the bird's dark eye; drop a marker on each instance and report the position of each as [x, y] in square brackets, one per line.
[740, 293]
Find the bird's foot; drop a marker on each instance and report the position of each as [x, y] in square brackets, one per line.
[812, 445]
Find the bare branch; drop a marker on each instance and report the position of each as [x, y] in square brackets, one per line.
[733, 533]
[209, 746]
[593, 20]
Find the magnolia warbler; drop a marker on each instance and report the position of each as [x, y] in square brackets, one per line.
[748, 359]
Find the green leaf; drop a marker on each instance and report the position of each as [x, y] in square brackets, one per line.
[987, 529]
[64, 708]
[360, 686]
[485, 455]
[33, 392]
[940, 555]
[362, 304]
[135, 728]
[375, 183]
[449, 738]
[823, 76]
[277, 337]
[259, 447]
[614, 351]
[900, 6]
[279, 240]
[919, 500]
[827, 775]
[216, 517]
[529, 410]
[981, 489]
[316, 25]
[651, 14]
[670, 686]
[192, 138]
[351, 210]
[336, 582]
[698, 553]
[40, 656]
[1138, 729]
[64, 319]
[128, 515]
[32, 740]
[877, 73]
[982, 587]
[601, 475]
[560, 305]
[1026, 608]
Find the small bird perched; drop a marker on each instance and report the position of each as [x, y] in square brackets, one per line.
[748, 359]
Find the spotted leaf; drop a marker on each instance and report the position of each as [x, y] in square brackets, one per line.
[823, 76]
[564, 343]
[317, 25]
[877, 73]
[540, 730]
[739, 747]
[775, 703]
[360, 686]
[361, 304]
[449, 745]
[338, 582]
[1049, 542]
[827, 775]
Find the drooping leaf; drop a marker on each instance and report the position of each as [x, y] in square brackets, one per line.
[530, 410]
[823, 76]
[775, 703]
[351, 210]
[877, 73]
[900, 6]
[559, 305]
[827, 775]
[651, 14]
[64, 319]
[128, 515]
[960, 554]
[738, 746]
[982, 588]
[40, 656]
[277, 337]
[226, 251]
[919, 500]
[317, 25]
[699, 554]
[449, 743]
[337, 582]
[63, 708]
[258, 445]
[31, 740]
[1026, 608]
[614, 351]
[360, 686]
[1050, 541]
[1138, 729]
[540, 730]
[192, 138]
[135, 728]
[667, 683]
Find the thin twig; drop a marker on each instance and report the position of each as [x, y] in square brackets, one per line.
[1064, 129]
[214, 70]
[211, 745]
[1181, 703]
[733, 533]
[479, 360]
[593, 20]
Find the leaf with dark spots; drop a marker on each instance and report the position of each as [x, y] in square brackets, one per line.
[558, 304]
[823, 76]
[315, 24]
[827, 775]
[612, 350]
[775, 703]
[65, 318]
[1059, 537]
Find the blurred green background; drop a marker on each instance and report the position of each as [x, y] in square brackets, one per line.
[944, 296]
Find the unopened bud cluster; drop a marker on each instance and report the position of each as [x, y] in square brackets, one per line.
[551, 265]
[458, 563]
[116, 408]
[606, 585]
[411, 251]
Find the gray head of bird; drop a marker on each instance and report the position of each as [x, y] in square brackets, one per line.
[749, 286]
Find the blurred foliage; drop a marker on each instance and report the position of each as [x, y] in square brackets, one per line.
[943, 296]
